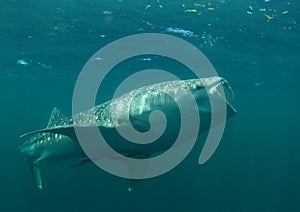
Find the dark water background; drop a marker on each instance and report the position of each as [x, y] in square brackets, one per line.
[256, 166]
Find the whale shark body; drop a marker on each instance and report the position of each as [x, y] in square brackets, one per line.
[58, 140]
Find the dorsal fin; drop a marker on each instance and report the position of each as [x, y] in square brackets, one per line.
[58, 119]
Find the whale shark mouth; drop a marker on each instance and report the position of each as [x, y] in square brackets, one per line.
[228, 96]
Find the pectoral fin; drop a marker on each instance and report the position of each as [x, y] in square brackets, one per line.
[81, 163]
[34, 170]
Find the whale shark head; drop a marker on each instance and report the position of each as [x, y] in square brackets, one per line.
[216, 88]
[213, 83]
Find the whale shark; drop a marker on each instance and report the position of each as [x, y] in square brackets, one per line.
[58, 141]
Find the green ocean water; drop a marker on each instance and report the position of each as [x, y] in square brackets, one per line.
[253, 44]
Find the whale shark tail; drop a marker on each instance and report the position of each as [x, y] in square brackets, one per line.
[58, 123]
[35, 172]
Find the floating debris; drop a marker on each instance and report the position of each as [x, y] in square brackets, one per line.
[269, 12]
[148, 23]
[191, 11]
[269, 18]
[158, 4]
[199, 5]
[22, 62]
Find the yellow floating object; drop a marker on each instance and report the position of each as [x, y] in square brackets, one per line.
[190, 11]
[160, 6]
[262, 10]
[250, 13]
[199, 5]
[147, 7]
[211, 8]
[270, 17]
[285, 12]
[250, 7]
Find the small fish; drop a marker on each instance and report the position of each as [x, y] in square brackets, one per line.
[22, 62]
